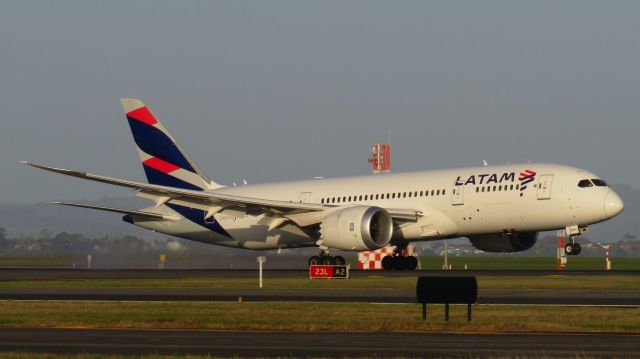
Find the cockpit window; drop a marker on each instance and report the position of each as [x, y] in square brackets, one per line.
[599, 182]
[585, 183]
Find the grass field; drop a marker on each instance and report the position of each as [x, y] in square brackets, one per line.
[37, 261]
[298, 316]
[550, 282]
[157, 356]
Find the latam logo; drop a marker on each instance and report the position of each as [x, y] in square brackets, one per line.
[526, 177]
[486, 178]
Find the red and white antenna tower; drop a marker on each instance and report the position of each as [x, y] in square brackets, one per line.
[381, 159]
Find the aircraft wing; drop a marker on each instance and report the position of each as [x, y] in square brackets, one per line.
[150, 215]
[213, 202]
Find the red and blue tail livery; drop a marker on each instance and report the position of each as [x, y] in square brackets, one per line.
[164, 161]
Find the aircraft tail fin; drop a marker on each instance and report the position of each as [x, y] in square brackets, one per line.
[165, 162]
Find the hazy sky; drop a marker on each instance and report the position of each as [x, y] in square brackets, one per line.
[276, 90]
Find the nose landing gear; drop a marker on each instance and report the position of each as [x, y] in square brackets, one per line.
[573, 248]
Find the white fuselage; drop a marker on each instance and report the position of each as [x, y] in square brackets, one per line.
[453, 203]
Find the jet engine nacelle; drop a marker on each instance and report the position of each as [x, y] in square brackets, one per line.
[358, 228]
[506, 243]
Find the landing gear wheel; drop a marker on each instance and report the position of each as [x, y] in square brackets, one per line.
[576, 249]
[569, 249]
[572, 249]
[388, 263]
[328, 261]
[340, 260]
[315, 260]
[399, 263]
[411, 262]
[404, 263]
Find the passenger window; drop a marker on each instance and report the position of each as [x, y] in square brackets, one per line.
[477, 189]
[512, 187]
[443, 192]
[482, 188]
[599, 182]
[585, 183]
[409, 194]
[438, 193]
[421, 193]
[433, 192]
[360, 198]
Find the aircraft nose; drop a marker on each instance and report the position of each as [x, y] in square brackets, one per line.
[613, 205]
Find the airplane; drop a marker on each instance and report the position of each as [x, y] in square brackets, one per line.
[498, 208]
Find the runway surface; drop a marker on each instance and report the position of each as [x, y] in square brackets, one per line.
[534, 297]
[331, 344]
[57, 273]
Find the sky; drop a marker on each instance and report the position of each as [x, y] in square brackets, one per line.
[281, 90]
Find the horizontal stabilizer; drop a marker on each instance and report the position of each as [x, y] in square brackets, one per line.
[150, 215]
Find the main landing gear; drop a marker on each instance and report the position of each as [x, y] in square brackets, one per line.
[399, 262]
[325, 259]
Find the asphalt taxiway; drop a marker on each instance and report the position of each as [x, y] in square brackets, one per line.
[327, 344]
[528, 297]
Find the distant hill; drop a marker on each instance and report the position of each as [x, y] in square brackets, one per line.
[30, 219]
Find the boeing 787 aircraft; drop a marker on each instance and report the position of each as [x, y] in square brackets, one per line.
[499, 208]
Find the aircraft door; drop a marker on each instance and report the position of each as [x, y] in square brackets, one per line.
[457, 196]
[305, 197]
[544, 186]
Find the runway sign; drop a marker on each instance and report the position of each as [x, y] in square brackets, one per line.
[328, 272]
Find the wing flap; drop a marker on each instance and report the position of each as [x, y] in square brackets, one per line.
[150, 215]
